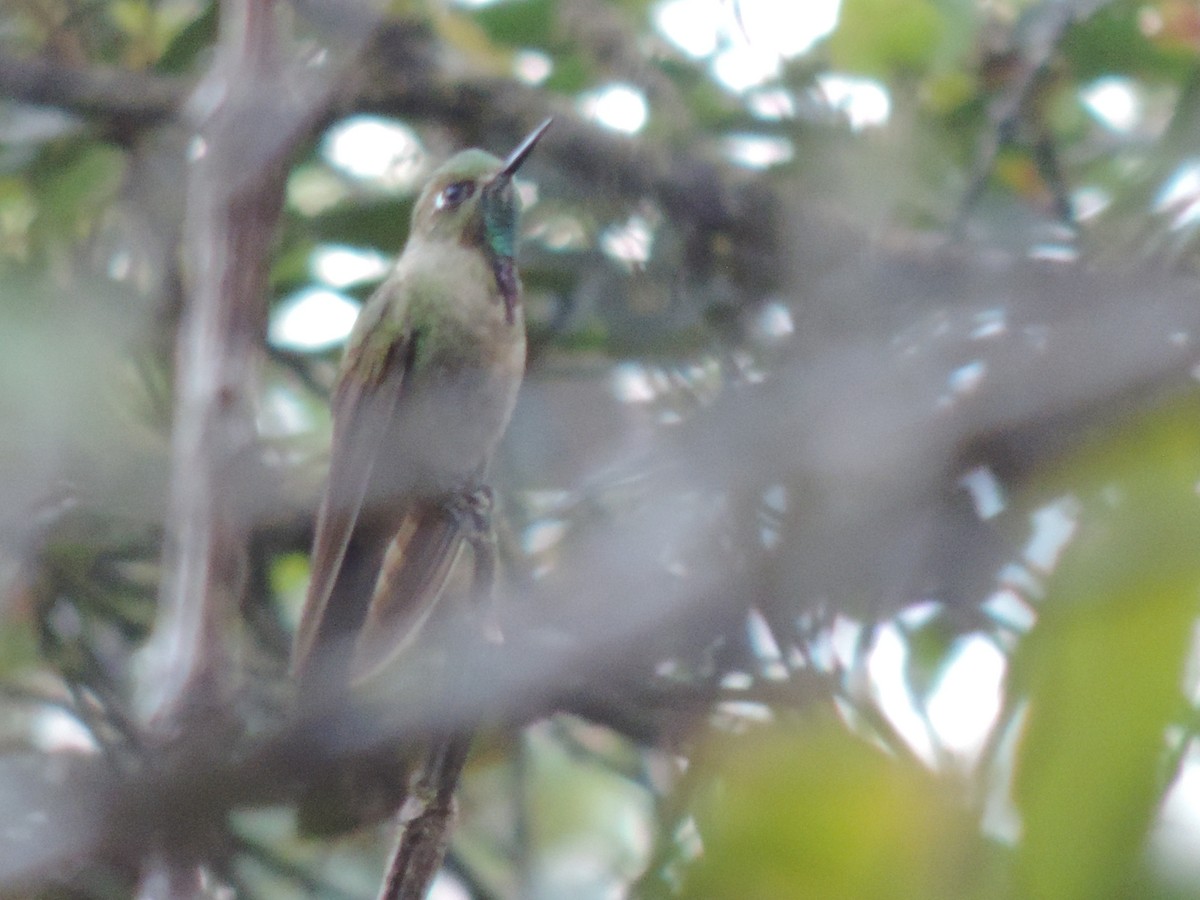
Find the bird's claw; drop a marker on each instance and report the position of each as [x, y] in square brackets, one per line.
[474, 510]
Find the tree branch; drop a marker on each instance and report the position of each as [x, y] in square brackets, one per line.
[235, 194]
[400, 76]
[133, 99]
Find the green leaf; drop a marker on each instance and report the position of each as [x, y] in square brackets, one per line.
[820, 813]
[379, 223]
[571, 73]
[1102, 670]
[192, 40]
[19, 648]
[881, 37]
[1114, 41]
[523, 23]
[291, 268]
[77, 185]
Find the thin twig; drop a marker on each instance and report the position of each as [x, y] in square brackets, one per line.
[425, 834]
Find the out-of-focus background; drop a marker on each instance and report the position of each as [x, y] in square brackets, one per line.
[849, 519]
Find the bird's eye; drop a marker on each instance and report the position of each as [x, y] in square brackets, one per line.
[454, 194]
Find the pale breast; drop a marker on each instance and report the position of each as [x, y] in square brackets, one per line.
[468, 362]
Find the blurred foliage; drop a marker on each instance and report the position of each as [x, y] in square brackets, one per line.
[797, 811]
[810, 766]
[1102, 670]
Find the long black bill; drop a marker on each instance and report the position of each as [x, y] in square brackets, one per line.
[519, 155]
[500, 222]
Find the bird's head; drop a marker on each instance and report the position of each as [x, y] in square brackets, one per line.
[470, 200]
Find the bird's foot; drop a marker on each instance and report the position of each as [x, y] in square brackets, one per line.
[474, 510]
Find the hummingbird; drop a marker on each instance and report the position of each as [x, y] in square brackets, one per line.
[424, 394]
